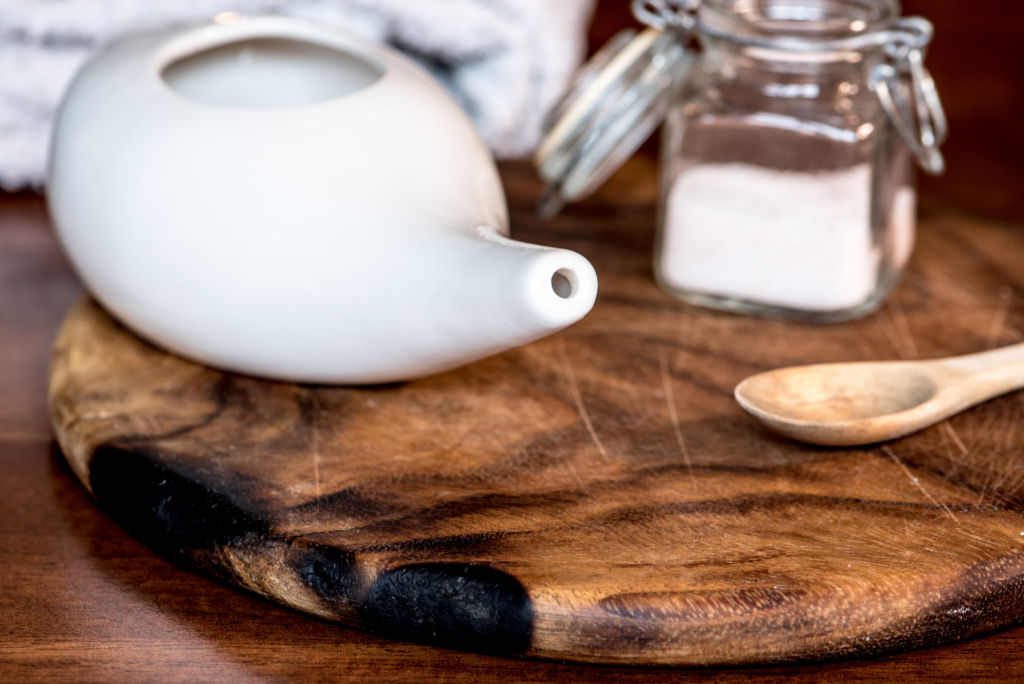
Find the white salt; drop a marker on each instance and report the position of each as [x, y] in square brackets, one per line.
[902, 225]
[788, 239]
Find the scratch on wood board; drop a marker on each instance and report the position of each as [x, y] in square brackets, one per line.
[998, 323]
[917, 483]
[577, 397]
[964, 451]
[666, 383]
[1003, 477]
[906, 345]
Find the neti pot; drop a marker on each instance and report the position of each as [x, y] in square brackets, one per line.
[791, 128]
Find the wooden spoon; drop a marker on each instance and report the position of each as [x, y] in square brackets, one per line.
[845, 404]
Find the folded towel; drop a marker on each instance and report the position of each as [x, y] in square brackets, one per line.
[504, 61]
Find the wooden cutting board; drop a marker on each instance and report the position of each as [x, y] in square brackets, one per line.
[596, 496]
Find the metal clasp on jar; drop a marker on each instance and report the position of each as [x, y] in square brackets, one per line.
[914, 108]
[667, 14]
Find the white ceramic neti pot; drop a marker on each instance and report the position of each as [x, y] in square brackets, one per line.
[283, 199]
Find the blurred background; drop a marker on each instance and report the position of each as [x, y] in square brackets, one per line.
[977, 60]
[505, 61]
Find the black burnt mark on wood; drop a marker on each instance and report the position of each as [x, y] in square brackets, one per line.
[454, 605]
[165, 509]
[327, 570]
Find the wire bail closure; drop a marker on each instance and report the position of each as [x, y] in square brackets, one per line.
[914, 109]
[680, 15]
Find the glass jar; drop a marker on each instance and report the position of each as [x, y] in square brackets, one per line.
[786, 172]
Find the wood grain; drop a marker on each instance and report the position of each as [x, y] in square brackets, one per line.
[595, 496]
[81, 600]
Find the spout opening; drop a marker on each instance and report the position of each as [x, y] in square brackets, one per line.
[543, 288]
[565, 283]
[561, 287]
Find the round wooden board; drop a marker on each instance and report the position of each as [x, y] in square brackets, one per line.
[596, 496]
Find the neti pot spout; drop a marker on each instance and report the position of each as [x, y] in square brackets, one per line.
[447, 299]
[530, 290]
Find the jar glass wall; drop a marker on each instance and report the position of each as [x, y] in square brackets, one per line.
[785, 189]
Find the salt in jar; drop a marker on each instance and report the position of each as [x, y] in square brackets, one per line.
[787, 153]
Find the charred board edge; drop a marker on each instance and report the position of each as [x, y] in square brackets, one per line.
[462, 606]
[453, 605]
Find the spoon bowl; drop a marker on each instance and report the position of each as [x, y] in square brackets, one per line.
[848, 404]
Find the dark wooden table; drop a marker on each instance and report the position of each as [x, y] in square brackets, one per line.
[82, 600]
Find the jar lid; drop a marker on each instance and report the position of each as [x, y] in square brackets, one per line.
[617, 101]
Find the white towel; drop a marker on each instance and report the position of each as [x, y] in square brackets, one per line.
[505, 61]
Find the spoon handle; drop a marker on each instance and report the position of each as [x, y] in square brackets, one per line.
[998, 370]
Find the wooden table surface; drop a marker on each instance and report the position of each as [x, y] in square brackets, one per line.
[80, 599]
